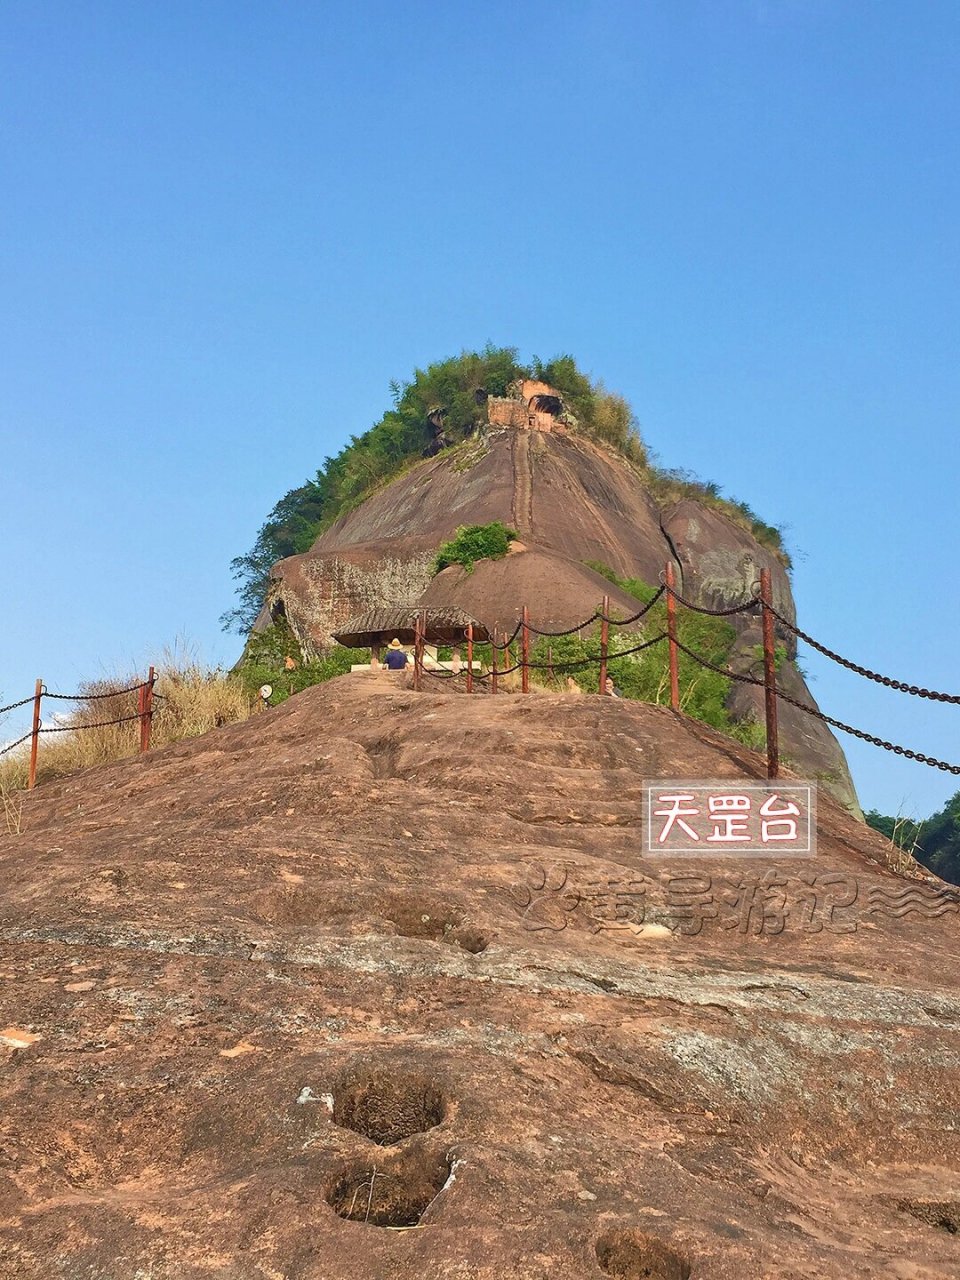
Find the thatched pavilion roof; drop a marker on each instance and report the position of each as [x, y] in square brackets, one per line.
[380, 626]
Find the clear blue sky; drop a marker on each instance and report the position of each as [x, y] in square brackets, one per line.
[224, 228]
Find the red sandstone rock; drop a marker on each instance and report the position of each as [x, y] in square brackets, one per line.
[457, 1032]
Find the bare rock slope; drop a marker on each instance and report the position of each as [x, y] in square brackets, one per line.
[572, 502]
[379, 985]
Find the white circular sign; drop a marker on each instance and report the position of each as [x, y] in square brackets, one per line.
[265, 691]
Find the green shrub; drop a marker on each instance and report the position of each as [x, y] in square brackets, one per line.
[264, 662]
[752, 733]
[474, 542]
[779, 655]
[335, 662]
[646, 675]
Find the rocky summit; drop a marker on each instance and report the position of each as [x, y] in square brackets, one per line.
[575, 504]
[381, 984]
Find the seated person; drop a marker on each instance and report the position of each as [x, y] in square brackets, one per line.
[397, 657]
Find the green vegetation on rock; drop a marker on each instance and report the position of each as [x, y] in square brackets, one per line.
[265, 656]
[646, 675]
[453, 392]
[371, 459]
[934, 841]
[474, 542]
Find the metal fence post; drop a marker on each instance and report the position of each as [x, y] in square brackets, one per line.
[493, 658]
[142, 713]
[525, 650]
[604, 641]
[145, 709]
[35, 736]
[417, 651]
[770, 675]
[672, 638]
[469, 657]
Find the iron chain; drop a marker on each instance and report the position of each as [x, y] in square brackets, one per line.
[570, 631]
[507, 643]
[96, 697]
[869, 737]
[713, 613]
[13, 705]
[78, 728]
[635, 617]
[900, 685]
[836, 724]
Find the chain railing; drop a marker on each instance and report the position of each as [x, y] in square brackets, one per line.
[144, 714]
[500, 644]
[762, 602]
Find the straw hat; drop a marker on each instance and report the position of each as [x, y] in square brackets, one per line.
[394, 644]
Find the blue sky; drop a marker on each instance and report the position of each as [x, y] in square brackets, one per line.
[224, 228]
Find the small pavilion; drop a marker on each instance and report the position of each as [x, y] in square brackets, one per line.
[375, 630]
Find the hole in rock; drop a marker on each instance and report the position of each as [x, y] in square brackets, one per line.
[384, 755]
[387, 1105]
[423, 918]
[470, 939]
[392, 1194]
[634, 1255]
[942, 1214]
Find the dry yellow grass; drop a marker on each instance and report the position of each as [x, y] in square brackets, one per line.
[190, 700]
[11, 804]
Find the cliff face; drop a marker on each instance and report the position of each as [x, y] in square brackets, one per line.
[570, 501]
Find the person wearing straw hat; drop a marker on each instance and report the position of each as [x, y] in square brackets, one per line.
[397, 657]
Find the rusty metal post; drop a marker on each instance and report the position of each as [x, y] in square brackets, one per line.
[770, 675]
[35, 736]
[493, 658]
[417, 651]
[670, 582]
[146, 711]
[525, 650]
[142, 712]
[550, 661]
[604, 642]
[469, 657]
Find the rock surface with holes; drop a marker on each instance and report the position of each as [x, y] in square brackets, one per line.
[370, 996]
